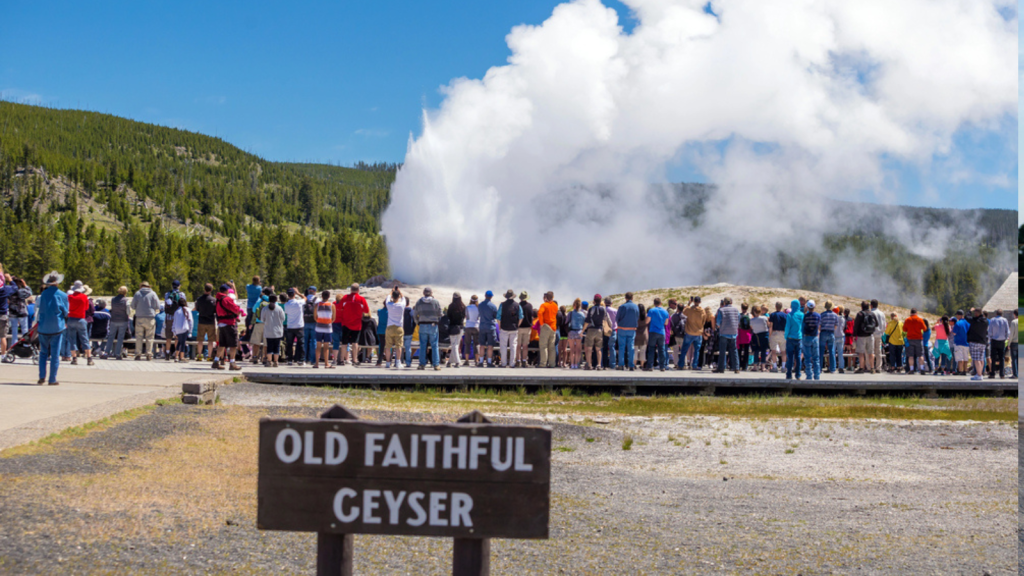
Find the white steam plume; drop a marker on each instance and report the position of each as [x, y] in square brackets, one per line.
[538, 174]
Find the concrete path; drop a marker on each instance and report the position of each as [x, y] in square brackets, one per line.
[29, 412]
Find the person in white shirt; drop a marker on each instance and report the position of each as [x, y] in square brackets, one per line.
[181, 326]
[394, 333]
[295, 326]
[472, 336]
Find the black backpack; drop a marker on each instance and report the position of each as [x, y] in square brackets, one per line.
[309, 312]
[679, 325]
[745, 322]
[870, 323]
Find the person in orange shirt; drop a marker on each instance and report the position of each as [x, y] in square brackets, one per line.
[914, 327]
[547, 314]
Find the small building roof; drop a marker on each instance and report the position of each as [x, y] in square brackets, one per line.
[1005, 298]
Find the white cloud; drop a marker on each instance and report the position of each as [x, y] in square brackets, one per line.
[21, 96]
[831, 86]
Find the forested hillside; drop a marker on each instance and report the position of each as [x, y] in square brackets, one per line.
[111, 201]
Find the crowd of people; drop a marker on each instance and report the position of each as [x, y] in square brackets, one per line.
[266, 326]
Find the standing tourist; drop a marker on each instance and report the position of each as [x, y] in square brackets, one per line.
[942, 352]
[472, 338]
[977, 341]
[811, 344]
[120, 319]
[609, 337]
[693, 334]
[146, 305]
[408, 331]
[100, 326]
[759, 338]
[640, 341]
[656, 348]
[171, 300]
[523, 334]
[206, 323]
[294, 333]
[865, 324]
[827, 338]
[510, 314]
[382, 326]
[428, 314]
[253, 296]
[309, 305]
[794, 332]
[393, 340]
[488, 333]
[228, 313]
[547, 315]
[18, 313]
[745, 337]
[181, 327]
[52, 309]
[627, 317]
[777, 338]
[576, 321]
[256, 329]
[77, 330]
[8, 291]
[1014, 342]
[593, 340]
[914, 327]
[273, 317]
[961, 346]
[876, 338]
[325, 312]
[728, 321]
[456, 319]
[352, 307]
[894, 338]
[563, 337]
[998, 334]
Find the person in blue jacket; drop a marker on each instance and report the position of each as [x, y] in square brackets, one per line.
[794, 339]
[52, 308]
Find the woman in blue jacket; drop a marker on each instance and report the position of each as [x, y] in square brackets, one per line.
[52, 310]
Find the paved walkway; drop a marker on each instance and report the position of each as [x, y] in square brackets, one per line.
[86, 393]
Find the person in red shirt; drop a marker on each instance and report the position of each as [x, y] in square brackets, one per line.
[914, 327]
[77, 328]
[350, 310]
[228, 312]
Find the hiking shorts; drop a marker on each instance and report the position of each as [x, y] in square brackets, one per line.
[594, 337]
[393, 337]
[227, 336]
[488, 337]
[962, 354]
[864, 345]
[777, 342]
[255, 334]
[206, 332]
[3, 326]
[324, 337]
[914, 349]
[978, 352]
[349, 336]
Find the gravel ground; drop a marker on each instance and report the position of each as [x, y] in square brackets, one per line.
[697, 495]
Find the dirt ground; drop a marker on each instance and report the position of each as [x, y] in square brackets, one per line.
[174, 491]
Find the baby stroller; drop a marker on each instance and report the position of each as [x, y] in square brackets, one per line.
[26, 347]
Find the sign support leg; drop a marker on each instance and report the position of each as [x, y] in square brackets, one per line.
[334, 551]
[471, 557]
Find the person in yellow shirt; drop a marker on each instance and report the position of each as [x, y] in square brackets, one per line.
[895, 338]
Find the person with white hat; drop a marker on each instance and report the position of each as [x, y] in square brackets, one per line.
[77, 330]
[146, 305]
[51, 314]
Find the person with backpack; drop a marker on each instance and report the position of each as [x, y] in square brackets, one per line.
[18, 312]
[309, 304]
[206, 323]
[811, 343]
[977, 341]
[325, 316]
[295, 326]
[273, 318]
[677, 327]
[865, 324]
[794, 332]
[777, 338]
[255, 327]
[745, 337]
[228, 313]
[728, 322]
[171, 300]
[181, 327]
[593, 338]
[510, 314]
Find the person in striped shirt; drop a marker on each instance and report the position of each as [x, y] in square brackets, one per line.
[827, 338]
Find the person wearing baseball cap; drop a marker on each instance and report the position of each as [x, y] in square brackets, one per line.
[525, 327]
[146, 305]
[488, 333]
[510, 314]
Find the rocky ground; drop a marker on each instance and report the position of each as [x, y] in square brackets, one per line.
[173, 491]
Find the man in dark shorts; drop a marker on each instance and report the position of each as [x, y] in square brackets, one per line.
[227, 330]
[352, 307]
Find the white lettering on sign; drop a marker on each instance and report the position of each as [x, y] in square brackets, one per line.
[455, 451]
[337, 448]
[372, 447]
[449, 449]
[282, 437]
[308, 457]
[458, 506]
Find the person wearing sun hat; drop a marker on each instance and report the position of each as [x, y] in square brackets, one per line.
[51, 314]
[146, 305]
[76, 327]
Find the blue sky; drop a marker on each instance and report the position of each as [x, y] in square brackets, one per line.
[335, 82]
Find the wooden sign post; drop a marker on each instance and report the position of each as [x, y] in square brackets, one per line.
[471, 480]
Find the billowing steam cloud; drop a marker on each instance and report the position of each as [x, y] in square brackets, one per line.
[539, 174]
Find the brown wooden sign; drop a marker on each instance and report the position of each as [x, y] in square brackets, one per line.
[358, 477]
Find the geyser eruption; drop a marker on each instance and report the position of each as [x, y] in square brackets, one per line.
[540, 174]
